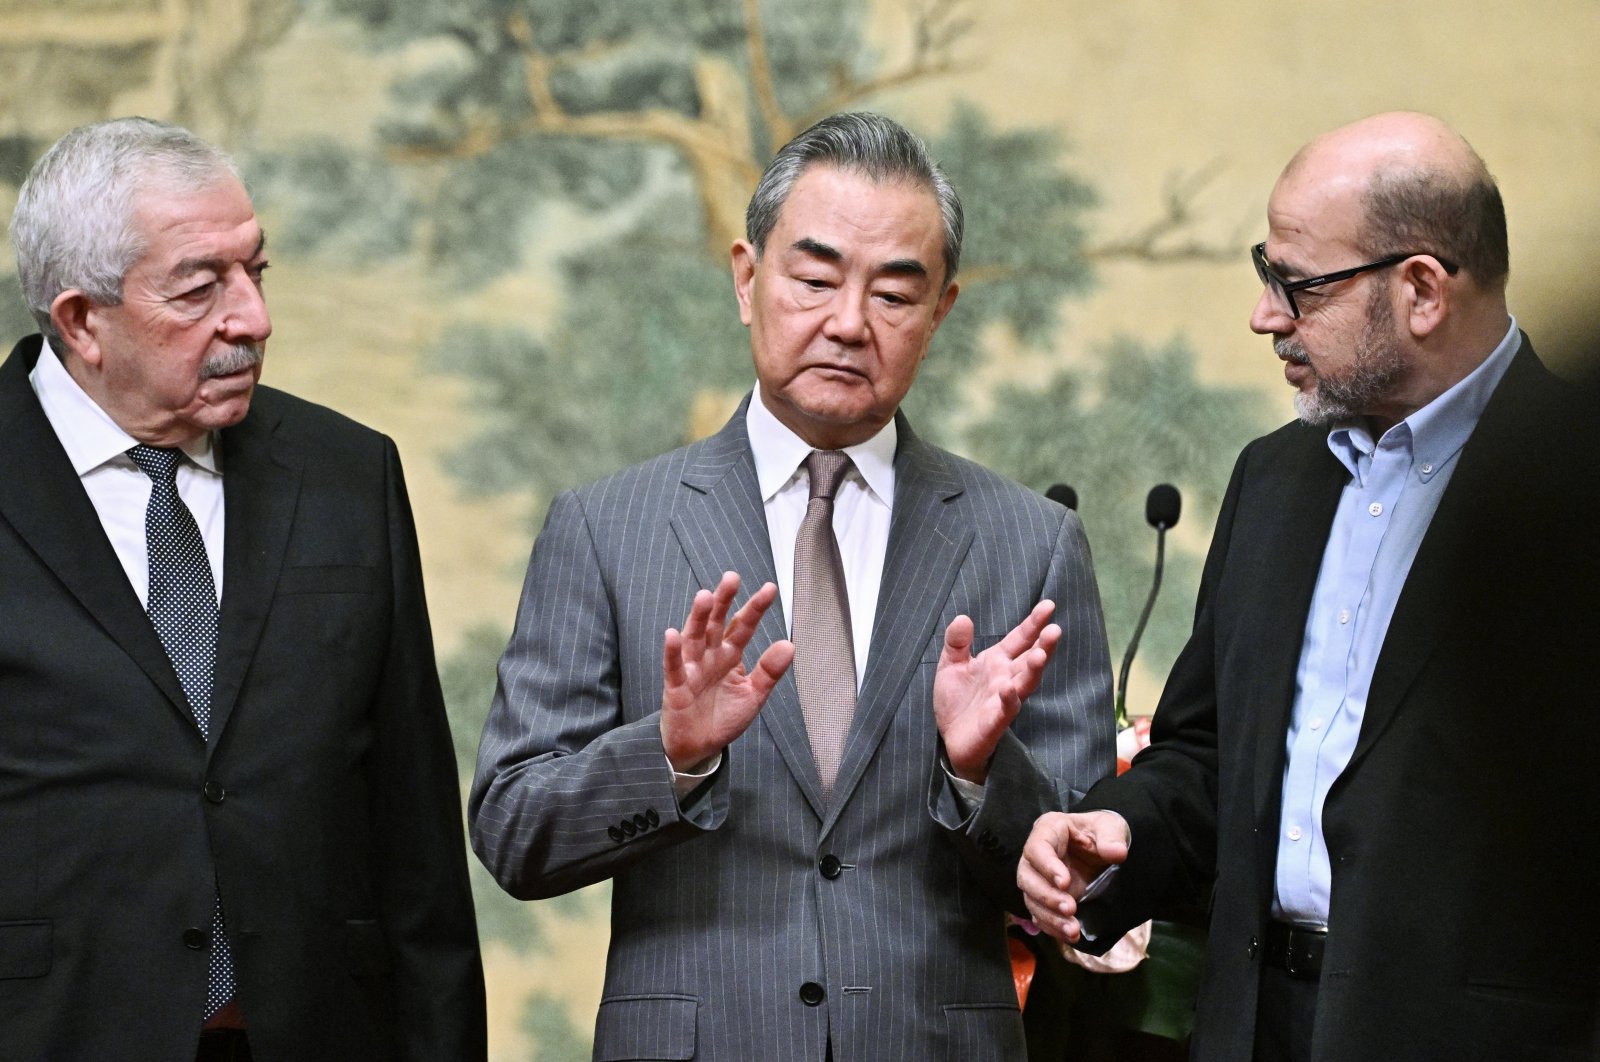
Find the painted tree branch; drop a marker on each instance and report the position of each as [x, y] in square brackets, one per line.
[779, 127]
[1154, 242]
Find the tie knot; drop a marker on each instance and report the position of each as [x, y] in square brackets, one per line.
[160, 463]
[826, 469]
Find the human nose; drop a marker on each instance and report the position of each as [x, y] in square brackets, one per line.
[847, 320]
[1270, 316]
[245, 317]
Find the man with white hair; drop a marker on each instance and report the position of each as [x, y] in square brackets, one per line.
[228, 806]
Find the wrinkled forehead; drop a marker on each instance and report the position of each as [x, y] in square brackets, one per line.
[1316, 206]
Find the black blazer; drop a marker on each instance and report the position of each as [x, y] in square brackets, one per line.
[325, 805]
[1462, 833]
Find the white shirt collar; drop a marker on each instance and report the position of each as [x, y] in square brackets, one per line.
[779, 453]
[87, 432]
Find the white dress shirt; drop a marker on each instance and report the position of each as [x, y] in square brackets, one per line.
[118, 488]
[861, 510]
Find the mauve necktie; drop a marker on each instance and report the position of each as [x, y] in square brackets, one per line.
[182, 603]
[824, 654]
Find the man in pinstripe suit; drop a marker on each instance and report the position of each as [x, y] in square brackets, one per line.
[774, 899]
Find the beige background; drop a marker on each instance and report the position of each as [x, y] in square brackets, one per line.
[1144, 93]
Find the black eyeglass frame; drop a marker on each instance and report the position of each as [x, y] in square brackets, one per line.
[1270, 278]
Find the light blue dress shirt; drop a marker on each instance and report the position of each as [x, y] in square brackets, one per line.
[1395, 486]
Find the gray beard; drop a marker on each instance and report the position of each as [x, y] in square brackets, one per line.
[1378, 367]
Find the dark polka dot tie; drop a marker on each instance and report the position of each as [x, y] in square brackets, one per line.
[182, 604]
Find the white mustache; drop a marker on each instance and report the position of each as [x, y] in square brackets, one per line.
[1288, 348]
[236, 358]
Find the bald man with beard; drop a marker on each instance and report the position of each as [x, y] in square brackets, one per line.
[1372, 747]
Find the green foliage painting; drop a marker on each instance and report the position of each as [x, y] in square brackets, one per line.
[644, 125]
[650, 122]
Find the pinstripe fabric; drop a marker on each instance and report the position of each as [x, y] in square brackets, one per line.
[720, 911]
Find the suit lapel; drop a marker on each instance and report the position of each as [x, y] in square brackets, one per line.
[928, 539]
[1454, 541]
[261, 488]
[43, 500]
[1298, 510]
[722, 525]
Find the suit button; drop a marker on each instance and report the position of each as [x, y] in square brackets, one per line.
[1254, 948]
[628, 828]
[194, 939]
[641, 823]
[615, 832]
[830, 866]
[811, 994]
[214, 792]
[652, 818]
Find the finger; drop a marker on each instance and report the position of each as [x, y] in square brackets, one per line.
[770, 668]
[721, 600]
[672, 669]
[957, 641]
[1046, 845]
[744, 623]
[1041, 892]
[694, 627]
[1023, 635]
[1029, 669]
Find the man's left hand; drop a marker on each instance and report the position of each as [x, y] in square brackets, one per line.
[976, 697]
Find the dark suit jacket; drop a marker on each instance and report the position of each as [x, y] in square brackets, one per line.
[725, 910]
[1462, 833]
[325, 805]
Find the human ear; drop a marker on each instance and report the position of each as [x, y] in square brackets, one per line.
[76, 320]
[744, 273]
[1427, 294]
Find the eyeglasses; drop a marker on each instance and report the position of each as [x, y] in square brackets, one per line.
[1285, 289]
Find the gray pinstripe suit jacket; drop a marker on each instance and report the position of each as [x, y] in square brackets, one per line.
[723, 908]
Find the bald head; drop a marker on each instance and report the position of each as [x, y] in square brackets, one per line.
[1415, 185]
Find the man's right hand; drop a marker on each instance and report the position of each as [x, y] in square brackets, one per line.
[1063, 855]
[709, 699]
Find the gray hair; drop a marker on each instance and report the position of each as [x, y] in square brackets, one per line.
[868, 144]
[1456, 217]
[73, 227]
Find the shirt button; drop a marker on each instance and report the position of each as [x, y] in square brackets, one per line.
[1376, 508]
[1344, 615]
[1427, 470]
[1316, 724]
[1294, 833]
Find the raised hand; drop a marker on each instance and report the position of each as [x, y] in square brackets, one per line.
[976, 697]
[709, 699]
[1064, 854]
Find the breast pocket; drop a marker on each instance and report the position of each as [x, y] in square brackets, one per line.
[26, 948]
[328, 579]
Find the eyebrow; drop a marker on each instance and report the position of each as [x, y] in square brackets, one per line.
[188, 267]
[907, 267]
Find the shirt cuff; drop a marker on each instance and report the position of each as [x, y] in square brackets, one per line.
[969, 795]
[686, 782]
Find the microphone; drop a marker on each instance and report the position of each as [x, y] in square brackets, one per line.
[1162, 506]
[1161, 510]
[1062, 494]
